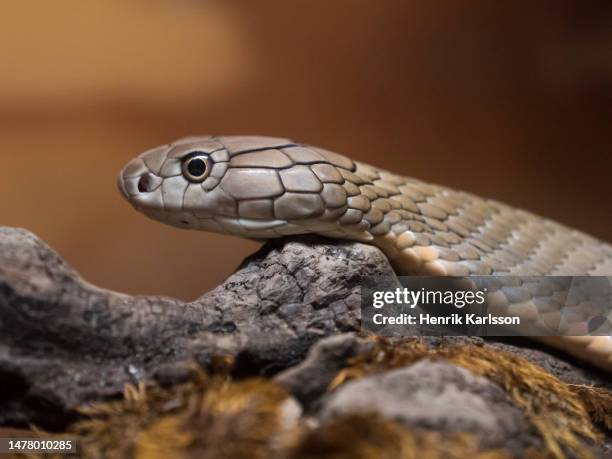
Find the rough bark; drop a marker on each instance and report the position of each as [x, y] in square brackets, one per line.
[64, 342]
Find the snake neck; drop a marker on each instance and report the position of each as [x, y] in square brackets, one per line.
[426, 229]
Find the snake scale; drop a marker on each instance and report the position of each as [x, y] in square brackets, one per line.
[264, 187]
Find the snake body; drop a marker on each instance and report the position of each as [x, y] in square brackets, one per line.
[263, 187]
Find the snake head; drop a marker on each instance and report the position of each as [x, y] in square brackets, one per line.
[255, 187]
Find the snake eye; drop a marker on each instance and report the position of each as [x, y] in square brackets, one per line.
[196, 167]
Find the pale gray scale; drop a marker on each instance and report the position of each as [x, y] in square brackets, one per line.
[288, 229]
[416, 227]
[336, 159]
[382, 192]
[252, 183]
[206, 146]
[258, 225]
[317, 224]
[380, 229]
[522, 245]
[475, 218]
[460, 199]
[573, 262]
[537, 251]
[389, 177]
[358, 227]
[210, 224]
[327, 173]
[412, 193]
[192, 139]
[529, 268]
[263, 158]
[437, 239]
[334, 195]
[421, 239]
[214, 202]
[427, 210]
[300, 178]
[499, 235]
[368, 192]
[210, 183]
[470, 225]
[395, 205]
[435, 224]
[351, 217]
[155, 157]
[497, 232]
[292, 206]
[238, 144]
[519, 248]
[256, 208]
[399, 228]
[595, 253]
[135, 168]
[218, 170]
[359, 202]
[516, 294]
[478, 268]
[443, 252]
[482, 237]
[382, 205]
[220, 156]
[351, 189]
[416, 181]
[194, 196]
[406, 215]
[467, 252]
[603, 268]
[449, 238]
[393, 217]
[131, 184]
[334, 214]
[186, 220]
[406, 203]
[353, 178]
[152, 200]
[302, 155]
[171, 168]
[368, 172]
[374, 216]
[418, 218]
[516, 256]
[497, 266]
[441, 202]
[511, 260]
[477, 242]
[230, 225]
[453, 268]
[173, 192]
[390, 188]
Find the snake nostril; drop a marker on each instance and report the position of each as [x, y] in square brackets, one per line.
[145, 183]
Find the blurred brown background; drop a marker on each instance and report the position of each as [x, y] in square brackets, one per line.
[505, 99]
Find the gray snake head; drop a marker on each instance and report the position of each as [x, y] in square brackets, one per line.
[254, 187]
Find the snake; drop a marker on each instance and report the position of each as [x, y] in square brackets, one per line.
[266, 187]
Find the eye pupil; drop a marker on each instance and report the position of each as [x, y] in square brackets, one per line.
[196, 167]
